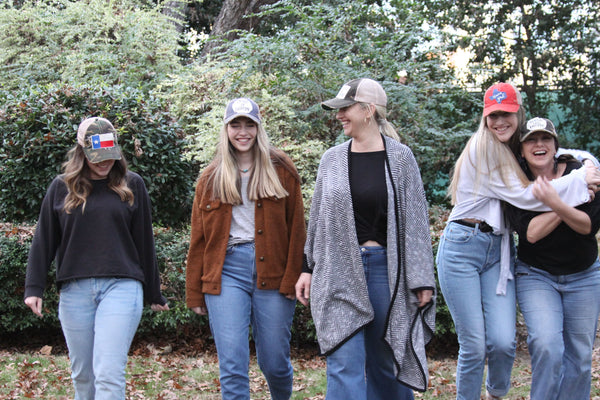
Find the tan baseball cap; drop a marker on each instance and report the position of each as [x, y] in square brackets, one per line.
[363, 90]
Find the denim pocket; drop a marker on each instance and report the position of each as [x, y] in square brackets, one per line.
[69, 285]
[456, 233]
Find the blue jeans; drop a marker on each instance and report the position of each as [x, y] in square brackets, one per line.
[99, 317]
[468, 263]
[363, 367]
[239, 305]
[561, 313]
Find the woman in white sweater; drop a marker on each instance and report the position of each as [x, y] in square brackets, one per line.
[475, 255]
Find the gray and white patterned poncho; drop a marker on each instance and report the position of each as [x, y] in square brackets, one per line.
[340, 303]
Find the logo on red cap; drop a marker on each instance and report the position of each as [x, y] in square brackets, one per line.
[498, 96]
[501, 97]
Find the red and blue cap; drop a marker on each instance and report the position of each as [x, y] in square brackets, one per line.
[501, 97]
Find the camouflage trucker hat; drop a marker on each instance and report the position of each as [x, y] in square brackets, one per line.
[98, 138]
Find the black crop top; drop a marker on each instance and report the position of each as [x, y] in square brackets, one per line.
[369, 195]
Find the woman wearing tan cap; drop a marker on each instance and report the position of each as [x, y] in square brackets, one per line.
[369, 270]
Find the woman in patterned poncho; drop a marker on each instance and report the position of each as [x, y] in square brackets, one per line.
[369, 263]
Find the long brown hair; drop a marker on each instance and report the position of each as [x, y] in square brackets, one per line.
[76, 175]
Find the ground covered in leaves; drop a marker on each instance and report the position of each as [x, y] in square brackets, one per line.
[177, 368]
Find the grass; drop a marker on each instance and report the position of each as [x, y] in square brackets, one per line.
[160, 373]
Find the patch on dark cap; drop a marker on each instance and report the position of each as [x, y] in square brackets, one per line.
[538, 124]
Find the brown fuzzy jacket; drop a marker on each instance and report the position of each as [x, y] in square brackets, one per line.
[280, 233]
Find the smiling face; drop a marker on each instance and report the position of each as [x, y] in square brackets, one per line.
[353, 119]
[502, 124]
[242, 134]
[539, 150]
[99, 170]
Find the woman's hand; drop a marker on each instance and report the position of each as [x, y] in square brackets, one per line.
[545, 192]
[200, 310]
[592, 177]
[303, 288]
[159, 307]
[35, 303]
[424, 296]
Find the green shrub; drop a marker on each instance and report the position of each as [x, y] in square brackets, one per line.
[15, 241]
[93, 42]
[15, 316]
[38, 127]
[171, 250]
[292, 67]
[199, 96]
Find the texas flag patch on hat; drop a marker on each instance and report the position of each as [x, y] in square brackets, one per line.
[99, 140]
[103, 140]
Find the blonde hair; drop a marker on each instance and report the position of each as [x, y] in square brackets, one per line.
[379, 116]
[492, 155]
[225, 175]
[79, 186]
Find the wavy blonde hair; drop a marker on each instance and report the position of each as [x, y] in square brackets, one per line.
[492, 155]
[76, 175]
[225, 175]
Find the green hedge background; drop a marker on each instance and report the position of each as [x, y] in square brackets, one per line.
[62, 61]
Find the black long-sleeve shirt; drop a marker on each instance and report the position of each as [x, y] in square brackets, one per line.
[109, 238]
[563, 251]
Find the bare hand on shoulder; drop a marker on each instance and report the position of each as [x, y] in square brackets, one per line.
[592, 176]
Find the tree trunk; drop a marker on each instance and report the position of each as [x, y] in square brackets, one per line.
[232, 17]
[176, 10]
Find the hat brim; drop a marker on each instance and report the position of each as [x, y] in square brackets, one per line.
[232, 117]
[336, 103]
[512, 108]
[525, 136]
[103, 154]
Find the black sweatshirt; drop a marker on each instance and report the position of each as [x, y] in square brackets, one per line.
[109, 238]
[563, 251]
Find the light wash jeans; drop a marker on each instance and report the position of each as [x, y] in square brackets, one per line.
[239, 305]
[99, 317]
[468, 263]
[363, 367]
[561, 313]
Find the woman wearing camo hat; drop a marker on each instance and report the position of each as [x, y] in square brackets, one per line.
[245, 252]
[96, 222]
